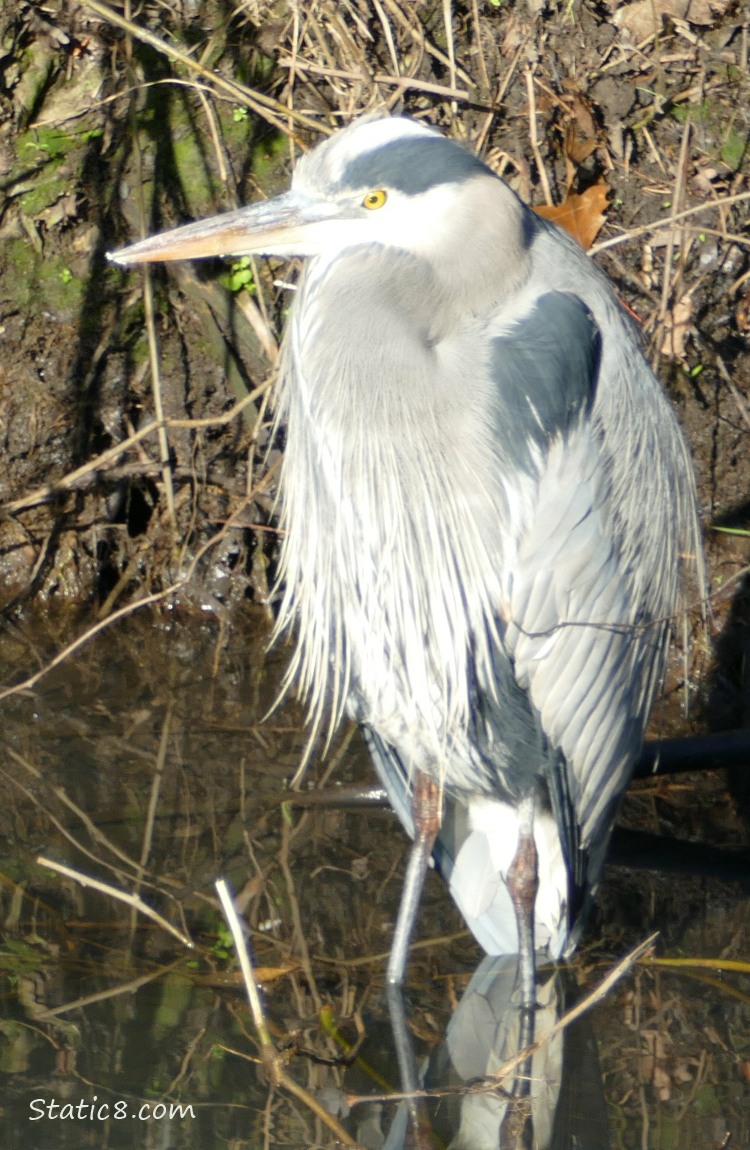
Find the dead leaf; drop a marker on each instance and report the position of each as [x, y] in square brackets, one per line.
[582, 216]
[263, 974]
[706, 12]
[742, 315]
[581, 132]
[644, 18]
[578, 145]
[516, 33]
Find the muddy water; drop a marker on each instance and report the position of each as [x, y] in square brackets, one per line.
[144, 763]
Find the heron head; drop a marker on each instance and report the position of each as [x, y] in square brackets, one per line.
[389, 182]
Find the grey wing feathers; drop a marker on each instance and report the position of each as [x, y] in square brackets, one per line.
[545, 368]
[585, 640]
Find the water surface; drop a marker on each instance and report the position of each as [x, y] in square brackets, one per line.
[144, 762]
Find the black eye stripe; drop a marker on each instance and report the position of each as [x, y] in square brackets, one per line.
[412, 166]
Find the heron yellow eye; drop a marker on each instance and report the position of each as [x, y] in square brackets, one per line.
[375, 199]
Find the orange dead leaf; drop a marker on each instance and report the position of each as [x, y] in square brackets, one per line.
[582, 216]
[234, 978]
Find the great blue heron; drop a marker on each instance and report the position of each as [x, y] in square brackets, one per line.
[488, 508]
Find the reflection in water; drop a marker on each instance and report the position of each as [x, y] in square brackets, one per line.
[552, 1099]
[144, 762]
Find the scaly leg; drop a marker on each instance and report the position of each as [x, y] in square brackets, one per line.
[523, 883]
[425, 805]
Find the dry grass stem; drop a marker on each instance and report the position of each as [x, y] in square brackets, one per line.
[666, 221]
[534, 139]
[132, 900]
[138, 604]
[265, 107]
[278, 1078]
[103, 462]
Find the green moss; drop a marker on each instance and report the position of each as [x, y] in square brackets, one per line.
[707, 1101]
[44, 193]
[53, 143]
[39, 282]
[269, 160]
[719, 138]
[699, 113]
[42, 172]
[733, 149]
[21, 259]
[236, 125]
[18, 957]
[197, 183]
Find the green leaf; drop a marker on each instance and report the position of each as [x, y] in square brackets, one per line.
[241, 276]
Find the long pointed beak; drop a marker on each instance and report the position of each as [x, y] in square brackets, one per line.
[289, 225]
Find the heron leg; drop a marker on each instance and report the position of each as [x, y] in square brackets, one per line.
[425, 805]
[523, 883]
